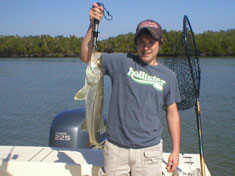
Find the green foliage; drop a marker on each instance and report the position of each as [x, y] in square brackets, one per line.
[121, 43]
[216, 43]
[209, 43]
[170, 39]
[39, 46]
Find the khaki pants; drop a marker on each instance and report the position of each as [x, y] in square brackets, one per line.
[119, 161]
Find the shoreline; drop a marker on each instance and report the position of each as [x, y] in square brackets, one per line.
[77, 56]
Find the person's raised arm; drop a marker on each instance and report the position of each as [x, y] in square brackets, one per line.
[96, 12]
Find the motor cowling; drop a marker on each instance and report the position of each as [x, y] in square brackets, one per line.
[66, 130]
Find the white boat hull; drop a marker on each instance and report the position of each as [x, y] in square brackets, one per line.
[50, 161]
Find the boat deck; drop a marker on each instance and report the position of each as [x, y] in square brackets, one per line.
[43, 161]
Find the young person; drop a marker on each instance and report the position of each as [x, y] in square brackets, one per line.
[140, 87]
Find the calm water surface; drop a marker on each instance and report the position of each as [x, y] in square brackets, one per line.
[34, 90]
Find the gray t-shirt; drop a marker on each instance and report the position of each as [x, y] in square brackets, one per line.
[139, 91]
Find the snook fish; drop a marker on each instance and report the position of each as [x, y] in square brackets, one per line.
[93, 93]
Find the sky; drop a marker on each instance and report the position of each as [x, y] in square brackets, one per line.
[71, 17]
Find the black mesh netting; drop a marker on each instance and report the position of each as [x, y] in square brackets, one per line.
[185, 63]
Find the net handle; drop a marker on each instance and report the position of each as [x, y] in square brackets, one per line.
[196, 90]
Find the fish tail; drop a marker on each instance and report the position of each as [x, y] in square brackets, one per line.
[95, 146]
[81, 94]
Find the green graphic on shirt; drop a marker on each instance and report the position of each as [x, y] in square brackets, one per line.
[143, 78]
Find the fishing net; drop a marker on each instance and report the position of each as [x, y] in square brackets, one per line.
[185, 63]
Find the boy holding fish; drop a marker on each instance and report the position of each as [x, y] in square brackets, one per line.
[140, 87]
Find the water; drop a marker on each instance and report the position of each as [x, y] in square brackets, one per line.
[34, 90]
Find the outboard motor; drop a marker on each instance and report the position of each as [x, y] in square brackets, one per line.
[66, 130]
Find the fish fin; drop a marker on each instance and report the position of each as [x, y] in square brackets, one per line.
[102, 128]
[83, 126]
[81, 94]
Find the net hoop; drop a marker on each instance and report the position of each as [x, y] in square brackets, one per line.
[187, 26]
[184, 61]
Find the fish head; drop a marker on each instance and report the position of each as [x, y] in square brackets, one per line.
[95, 57]
[95, 62]
[94, 69]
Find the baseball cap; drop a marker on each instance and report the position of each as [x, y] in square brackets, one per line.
[152, 26]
